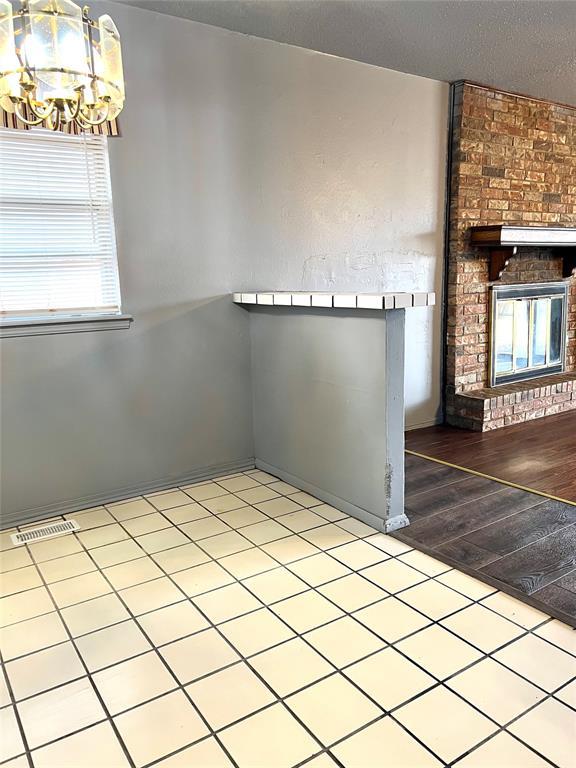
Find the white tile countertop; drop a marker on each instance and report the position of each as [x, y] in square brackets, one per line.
[400, 300]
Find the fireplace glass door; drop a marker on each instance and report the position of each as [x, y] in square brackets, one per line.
[528, 331]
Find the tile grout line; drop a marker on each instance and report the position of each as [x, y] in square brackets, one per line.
[155, 650]
[227, 641]
[285, 565]
[149, 554]
[477, 572]
[170, 522]
[385, 596]
[339, 670]
[504, 588]
[17, 717]
[313, 683]
[93, 685]
[196, 542]
[245, 659]
[388, 644]
[503, 729]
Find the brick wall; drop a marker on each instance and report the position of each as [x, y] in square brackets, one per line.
[513, 162]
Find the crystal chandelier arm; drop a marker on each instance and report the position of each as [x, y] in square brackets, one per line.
[76, 111]
[23, 118]
[83, 119]
[36, 112]
[54, 120]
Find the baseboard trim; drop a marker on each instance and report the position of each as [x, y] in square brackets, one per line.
[335, 501]
[76, 505]
[424, 424]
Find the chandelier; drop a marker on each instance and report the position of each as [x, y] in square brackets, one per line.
[58, 66]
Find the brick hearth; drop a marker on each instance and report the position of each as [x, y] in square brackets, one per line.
[513, 162]
[495, 407]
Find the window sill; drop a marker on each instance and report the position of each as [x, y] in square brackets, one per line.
[55, 325]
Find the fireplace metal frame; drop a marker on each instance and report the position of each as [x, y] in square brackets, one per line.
[505, 291]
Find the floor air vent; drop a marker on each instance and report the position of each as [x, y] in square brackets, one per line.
[33, 535]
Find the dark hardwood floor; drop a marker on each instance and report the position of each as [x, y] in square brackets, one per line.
[517, 541]
[539, 455]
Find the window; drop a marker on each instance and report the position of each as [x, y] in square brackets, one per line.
[57, 244]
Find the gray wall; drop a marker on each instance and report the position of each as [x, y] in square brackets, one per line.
[347, 169]
[328, 406]
[523, 46]
[243, 163]
[106, 413]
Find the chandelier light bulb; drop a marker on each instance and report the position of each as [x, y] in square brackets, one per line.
[57, 66]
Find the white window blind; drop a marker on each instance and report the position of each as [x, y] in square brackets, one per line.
[57, 243]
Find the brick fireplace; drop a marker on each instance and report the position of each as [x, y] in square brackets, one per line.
[513, 163]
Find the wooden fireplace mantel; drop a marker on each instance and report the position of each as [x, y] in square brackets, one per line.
[504, 240]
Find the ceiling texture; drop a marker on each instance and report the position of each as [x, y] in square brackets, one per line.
[525, 46]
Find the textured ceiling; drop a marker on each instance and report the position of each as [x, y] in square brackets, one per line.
[528, 46]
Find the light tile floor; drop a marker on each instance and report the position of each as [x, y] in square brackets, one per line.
[241, 622]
